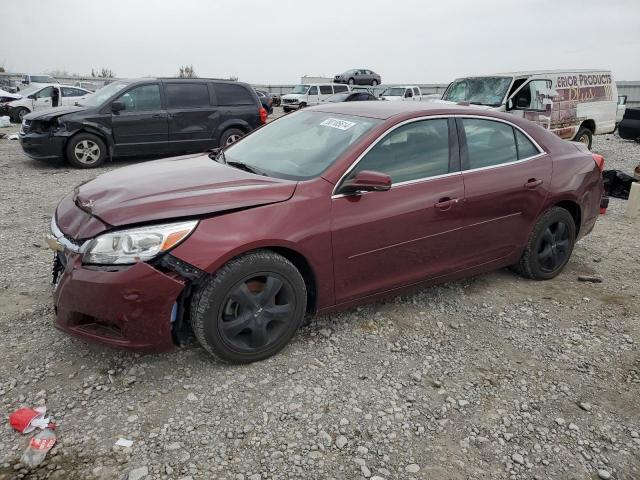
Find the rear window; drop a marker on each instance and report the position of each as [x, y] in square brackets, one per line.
[326, 90]
[228, 94]
[340, 88]
[187, 95]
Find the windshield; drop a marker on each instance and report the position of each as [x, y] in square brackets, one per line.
[479, 90]
[300, 89]
[393, 92]
[100, 96]
[42, 79]
[338, 97]
[301, 145]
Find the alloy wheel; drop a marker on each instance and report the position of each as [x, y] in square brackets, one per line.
[584, 138]
[87, 151]
[233, 138]
[554, 247]
[255, 312]
[22, 113]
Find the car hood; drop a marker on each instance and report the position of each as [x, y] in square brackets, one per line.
[5, 94]
[51, 113]
[292, 95]
[185, 186]
[479, 107]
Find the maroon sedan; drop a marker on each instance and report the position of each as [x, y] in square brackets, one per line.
[320, 210]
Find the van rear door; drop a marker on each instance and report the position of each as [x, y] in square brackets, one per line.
[192, 117]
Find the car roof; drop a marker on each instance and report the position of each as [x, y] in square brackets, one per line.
[385, 109]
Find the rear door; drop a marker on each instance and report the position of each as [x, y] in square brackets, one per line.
[192, 117]
[506, 178]
[71, 95]
[384, 240]
[142, 127]
[325, 91]
[313, 97]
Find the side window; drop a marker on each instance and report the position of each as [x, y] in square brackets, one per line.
[414, 151]
[45, 93]
[72, 92]
[416, 92]
[187, 95]
[489, 143]
[230, 94]
[340, 88]
[313, 90]
[326, 90]
[408, 93]
[532, 94]
[142, 98]
[526, 149]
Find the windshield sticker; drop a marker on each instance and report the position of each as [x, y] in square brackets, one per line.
[339, 124]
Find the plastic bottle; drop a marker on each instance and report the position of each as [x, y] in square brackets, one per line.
[38, 447]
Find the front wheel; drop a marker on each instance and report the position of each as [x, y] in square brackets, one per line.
[585, 136]
[550, 245]
[86, 150]
[230, 136]
[21, 113]
[250, 308]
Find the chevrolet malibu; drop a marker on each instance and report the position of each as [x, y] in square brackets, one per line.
[321, 210]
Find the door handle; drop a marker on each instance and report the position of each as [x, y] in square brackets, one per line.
[158, 115]
[446, 203]
[533, 183]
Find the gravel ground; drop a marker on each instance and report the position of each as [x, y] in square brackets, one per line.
[488, 378]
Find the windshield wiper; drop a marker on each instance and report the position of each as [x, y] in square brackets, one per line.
[216, 154]
[245, 167]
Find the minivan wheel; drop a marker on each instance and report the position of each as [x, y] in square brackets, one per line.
[374, 83]
[86, 150]
[351, 81]
[250, 308]
[231, 136]
[550, 245]
[585, 136]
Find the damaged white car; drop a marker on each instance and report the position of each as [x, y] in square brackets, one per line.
[39, 97]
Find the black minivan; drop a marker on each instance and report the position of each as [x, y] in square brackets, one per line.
[150, 116]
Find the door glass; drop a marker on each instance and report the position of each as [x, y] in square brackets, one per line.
[142, 98]
[340, 88]
[489, 143]
[45, 93]
[229, 95]
[313, 90]
[414, 151]
[526, 149]
[326, 90]
[187, 95]
[532, 95]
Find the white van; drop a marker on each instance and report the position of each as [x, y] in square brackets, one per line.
[574, 104]
[39, 79]
[410, 93]
[311, 94]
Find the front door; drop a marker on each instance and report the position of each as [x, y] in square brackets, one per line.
[313, 97]
[533, 101]
[142, 127]
[44, 98]
[383, 240]
[506, 179]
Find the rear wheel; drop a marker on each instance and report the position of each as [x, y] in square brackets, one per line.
[585, 136]
[231, 136]
[351, 81]
[374, 83]
[86, 150]
[550, 245]
[250, 308]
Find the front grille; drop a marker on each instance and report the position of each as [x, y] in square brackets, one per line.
[26, 126]
[290, 100]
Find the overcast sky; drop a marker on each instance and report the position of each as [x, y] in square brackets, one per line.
[278, 41]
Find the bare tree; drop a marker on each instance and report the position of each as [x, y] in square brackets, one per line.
[187, 71]
[103, 73]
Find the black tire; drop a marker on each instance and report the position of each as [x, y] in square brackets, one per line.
[374, 83]
[86, 150]
[302, 105]
[263, 325]
[585, 136]
[351, 81]
[20, 113]
[230, 136]
[286, 110]
[550, 245]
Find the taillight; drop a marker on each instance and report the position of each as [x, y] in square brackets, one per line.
[599, 159]
[263, 115]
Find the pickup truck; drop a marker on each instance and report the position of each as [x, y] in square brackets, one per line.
[411, 93]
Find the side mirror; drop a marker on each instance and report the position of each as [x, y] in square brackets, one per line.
[117, 107]
[32, 96]
[366, 181]
[510, 104]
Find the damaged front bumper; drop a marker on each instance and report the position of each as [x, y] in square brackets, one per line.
[135, 307]
[42, 146]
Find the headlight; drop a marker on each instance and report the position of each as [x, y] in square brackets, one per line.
[137, 244]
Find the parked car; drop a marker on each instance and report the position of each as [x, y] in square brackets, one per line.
[241, 243]
[621, 109]
[357, 96]
[8, 85]
[402, 93]
[276, 99]
[307, 95]
[573, 104]
[265, 100]
[39, 79]
[629, 127]
[358, 77]
[149, 116]
[5, 98]
[39, 97]
[92, 87]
